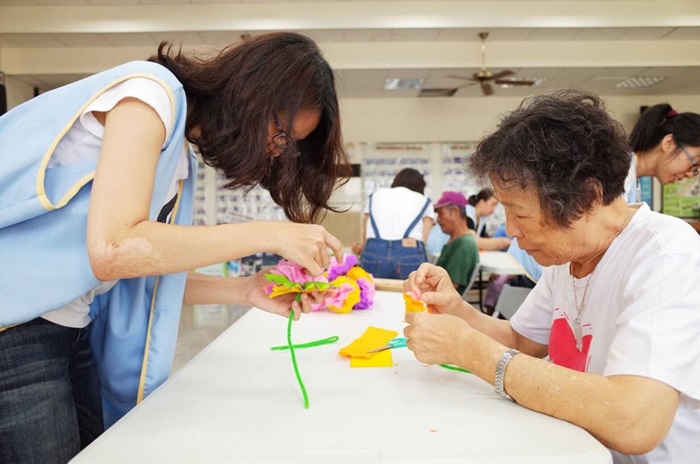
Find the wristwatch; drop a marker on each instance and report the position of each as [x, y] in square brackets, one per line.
[501, 372]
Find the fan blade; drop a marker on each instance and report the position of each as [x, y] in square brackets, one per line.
[502, 74]
[486, 88]
[514, 82]
[468, 84]
[461, 77]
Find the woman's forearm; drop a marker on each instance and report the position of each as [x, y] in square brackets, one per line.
[152, 248]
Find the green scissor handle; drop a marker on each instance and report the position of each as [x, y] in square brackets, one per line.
[398, 342]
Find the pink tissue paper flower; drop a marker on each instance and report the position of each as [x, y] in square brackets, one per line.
[295, 273]
[338, 269]
[367, 292]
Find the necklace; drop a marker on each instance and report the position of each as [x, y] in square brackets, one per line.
[578, 330]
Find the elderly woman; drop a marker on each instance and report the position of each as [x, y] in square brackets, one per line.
[618, 308]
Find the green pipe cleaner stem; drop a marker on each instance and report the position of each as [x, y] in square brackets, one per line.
[294, 358]
[323, 341]
[454, 368]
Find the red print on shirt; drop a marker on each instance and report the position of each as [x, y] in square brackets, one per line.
[562, 343]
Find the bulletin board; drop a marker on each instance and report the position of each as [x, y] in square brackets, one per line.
[682, 199]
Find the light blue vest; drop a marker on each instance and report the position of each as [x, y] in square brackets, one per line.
[43, 220]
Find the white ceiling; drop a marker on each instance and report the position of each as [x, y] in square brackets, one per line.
[591, 44]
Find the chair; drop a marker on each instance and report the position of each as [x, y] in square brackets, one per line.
[474, 277]
[433, 257]
[510, 300]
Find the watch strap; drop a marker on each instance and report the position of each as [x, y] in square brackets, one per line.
[501, 372]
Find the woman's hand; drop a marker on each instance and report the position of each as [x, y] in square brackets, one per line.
[282, 304]
[307, 245]
[502, 243]
[357, 248]
[437, 338]
[434, 287]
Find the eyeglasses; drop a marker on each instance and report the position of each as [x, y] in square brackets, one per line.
[693, 162]
[283, 141]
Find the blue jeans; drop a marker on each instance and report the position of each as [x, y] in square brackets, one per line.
[50, 403]
[388, 259]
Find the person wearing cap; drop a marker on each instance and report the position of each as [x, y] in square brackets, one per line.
[460, 255]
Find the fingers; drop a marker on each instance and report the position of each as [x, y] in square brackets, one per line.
[325, 260]
[308, 245]
[308, 300]
[296, 308]
[357, 248]
[419, 280]
[334, 244]
[314, 267]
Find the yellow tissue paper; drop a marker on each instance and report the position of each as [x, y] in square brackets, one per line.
[373, 337]
[380, 359]
[413, 305]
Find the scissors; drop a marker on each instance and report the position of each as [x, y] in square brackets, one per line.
[398, 342]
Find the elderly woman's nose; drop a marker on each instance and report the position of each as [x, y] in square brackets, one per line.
[512, 230]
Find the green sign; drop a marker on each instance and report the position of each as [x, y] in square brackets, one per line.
[682, 199]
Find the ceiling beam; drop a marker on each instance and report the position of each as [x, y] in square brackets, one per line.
[396, 55]
[348, 15]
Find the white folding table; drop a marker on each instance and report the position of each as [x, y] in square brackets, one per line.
[238, 402]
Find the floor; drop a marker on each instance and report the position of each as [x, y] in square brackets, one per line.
[199, 326]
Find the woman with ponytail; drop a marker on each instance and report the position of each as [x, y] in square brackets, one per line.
[665, 144]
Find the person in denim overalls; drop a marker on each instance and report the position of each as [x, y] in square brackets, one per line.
[404, 216]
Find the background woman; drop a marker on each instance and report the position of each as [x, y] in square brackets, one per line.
[395, 227]
[481, 206]
[96, 202]
[665, 144]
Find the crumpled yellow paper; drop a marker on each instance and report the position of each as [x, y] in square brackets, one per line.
[372, 338]
[414, 305]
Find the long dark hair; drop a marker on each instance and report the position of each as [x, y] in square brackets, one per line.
[660, 120]
[565, 146]
[233, 97]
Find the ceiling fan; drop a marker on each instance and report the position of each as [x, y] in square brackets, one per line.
[485, 77]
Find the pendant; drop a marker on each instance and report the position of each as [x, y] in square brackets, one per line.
[578, 333]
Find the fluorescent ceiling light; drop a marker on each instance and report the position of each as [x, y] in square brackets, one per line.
[432, 93]
[400, 84]
[537, 82]
[639, 82]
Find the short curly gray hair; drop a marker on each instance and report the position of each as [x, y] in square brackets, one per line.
[565, 146]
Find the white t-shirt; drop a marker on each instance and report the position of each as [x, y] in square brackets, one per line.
[641, 317]
[83, 142]
[394, 209]
[632, 191]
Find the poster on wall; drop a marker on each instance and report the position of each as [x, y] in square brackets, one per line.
[682, 199]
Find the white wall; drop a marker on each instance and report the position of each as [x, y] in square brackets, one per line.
[432, 119]
[461, 119]
[438, 119]
[17, 92]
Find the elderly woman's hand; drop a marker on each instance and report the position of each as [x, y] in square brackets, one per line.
[434, 287]
[437, 338]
